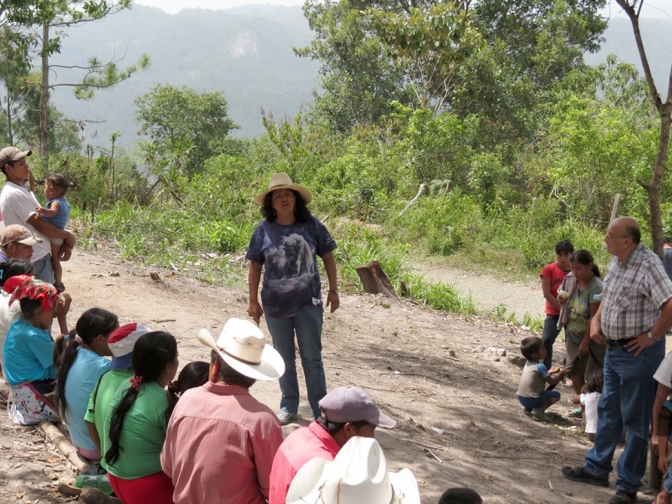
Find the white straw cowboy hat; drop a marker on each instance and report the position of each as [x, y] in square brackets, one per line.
[282, 181]
[358, 475]
[243, 347]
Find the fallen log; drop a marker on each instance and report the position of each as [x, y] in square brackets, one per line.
[63, 444]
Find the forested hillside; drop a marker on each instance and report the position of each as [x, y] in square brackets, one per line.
[244, 52]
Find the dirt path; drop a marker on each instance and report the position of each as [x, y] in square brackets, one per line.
[488, 293]
[427, 369]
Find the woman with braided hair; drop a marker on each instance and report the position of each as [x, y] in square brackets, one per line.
[29, 349]
[83, 363]
[135, 428]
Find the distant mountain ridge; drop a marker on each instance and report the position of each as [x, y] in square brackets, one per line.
[247, 53]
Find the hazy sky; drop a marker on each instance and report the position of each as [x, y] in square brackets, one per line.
[652, 8]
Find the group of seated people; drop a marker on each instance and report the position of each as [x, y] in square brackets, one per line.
[200, 439]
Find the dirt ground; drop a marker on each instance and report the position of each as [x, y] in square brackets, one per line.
[459, 423]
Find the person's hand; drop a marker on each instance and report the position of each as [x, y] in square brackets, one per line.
[565, 371]
[583, 348]
[640, 343]
[333, 301]
[38, 212]
[70, 240]
[255, 311]
[64, 301]
[65, 252]
[597, 336]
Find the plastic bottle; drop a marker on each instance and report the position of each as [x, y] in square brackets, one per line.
[99, 481]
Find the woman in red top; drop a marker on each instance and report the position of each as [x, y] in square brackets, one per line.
[551, 278]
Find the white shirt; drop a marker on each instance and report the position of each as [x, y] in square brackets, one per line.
[663, 374]
[8, 314]
[589, 402]
[17, 205]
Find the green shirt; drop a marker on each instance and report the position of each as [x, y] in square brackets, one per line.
[142, 434]
[96, 412]
[579, 310]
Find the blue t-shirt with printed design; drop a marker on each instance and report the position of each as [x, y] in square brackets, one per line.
[289, 255]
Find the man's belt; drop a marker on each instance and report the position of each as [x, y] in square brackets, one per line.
[619, 342]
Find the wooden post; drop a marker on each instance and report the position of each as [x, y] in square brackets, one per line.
[614, 208]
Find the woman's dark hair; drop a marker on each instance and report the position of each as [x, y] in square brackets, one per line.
[30, 307]
[14, 267]
[193, 375]
[151, 354]
[564, 247]
[584, 257]
[92, 323]
[230, 375]
[301, 211]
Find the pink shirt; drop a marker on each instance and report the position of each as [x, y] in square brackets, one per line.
[220, 446]
[300, 446]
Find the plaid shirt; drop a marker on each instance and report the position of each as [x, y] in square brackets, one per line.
[634, 293]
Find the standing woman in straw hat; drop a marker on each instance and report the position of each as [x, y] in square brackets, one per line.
[285, 244]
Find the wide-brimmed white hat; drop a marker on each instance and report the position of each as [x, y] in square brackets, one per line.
[282, 181]
[243, 347]
[358, 475]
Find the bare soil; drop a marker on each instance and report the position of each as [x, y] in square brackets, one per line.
[459, 422]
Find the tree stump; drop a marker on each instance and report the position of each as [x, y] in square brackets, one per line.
[374, 280]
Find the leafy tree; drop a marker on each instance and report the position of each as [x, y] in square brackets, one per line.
[184, 123]
[430, 44]
[52, 16]
[358, 80]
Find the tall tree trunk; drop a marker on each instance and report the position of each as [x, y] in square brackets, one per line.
[44, 96]
[10, 133]
[665, 112]
[657, 179]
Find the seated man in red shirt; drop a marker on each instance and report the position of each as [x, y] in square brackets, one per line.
[221, 441]
[346, 412]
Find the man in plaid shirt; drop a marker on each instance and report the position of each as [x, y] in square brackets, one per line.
[631, 320]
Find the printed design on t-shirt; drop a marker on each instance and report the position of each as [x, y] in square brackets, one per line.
[292, 260]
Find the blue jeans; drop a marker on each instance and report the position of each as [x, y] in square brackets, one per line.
[532, 402]
[548, 337]
[626, 401]
[308, 328]
[44, 270]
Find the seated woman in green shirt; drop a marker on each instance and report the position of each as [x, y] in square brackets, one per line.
[135, 428]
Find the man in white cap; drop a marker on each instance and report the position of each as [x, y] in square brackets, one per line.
[121, 343]
[17, 243]
[346, 412]
[18, 204]
[221, 441]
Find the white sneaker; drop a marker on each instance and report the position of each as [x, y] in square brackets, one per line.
[285, 416]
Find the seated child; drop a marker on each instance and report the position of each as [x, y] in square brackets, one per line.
[460, 496]
[57, 212]
[532, 392]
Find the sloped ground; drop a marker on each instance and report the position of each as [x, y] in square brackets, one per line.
[426, 369]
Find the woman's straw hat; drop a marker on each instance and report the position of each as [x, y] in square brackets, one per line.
[282, 181]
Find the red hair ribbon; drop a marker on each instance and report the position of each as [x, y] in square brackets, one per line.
[136, 381]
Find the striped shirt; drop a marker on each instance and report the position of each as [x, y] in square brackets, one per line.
[634, 293]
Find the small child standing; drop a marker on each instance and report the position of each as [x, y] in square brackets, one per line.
[532, 392]
[57, 212]
[590, 396]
